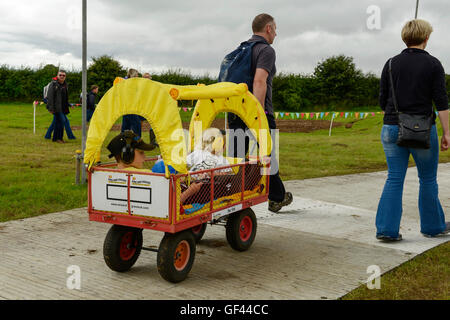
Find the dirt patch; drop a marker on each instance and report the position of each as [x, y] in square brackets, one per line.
[283, 125]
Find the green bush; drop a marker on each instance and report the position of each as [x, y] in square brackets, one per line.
[335, 85]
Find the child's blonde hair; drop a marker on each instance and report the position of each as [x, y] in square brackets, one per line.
[415, 32]
[212, 140]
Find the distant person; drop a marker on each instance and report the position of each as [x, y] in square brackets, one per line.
[90, 102]
[263, 70]
[418, 81]
[132, 121]
[128, 150]
[48, 134]
[58, 105]
[147, 76]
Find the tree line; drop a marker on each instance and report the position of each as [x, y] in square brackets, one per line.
[335, 84]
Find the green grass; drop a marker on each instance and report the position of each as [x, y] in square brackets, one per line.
[37, 176]
[427, 276]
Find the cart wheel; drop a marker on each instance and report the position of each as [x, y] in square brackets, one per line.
[176, 255]
[241, 229]
[122, 247]
[198, 232]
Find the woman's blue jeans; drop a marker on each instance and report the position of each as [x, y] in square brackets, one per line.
[432, 219]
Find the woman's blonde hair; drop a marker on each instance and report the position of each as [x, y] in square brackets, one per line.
[212, 140]
[415, 32]
[132, 73]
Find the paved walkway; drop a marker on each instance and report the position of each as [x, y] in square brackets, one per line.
[318, 248]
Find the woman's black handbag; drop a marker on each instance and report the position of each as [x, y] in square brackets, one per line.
[413, 129]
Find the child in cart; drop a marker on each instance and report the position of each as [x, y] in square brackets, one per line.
[207, 156]
[128, 150]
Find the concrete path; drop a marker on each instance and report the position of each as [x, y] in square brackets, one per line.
[318, 248]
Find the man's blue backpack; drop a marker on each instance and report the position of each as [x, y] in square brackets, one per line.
[237, 65]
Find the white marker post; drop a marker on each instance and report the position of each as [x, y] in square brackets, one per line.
[331, 124]
[34, 116]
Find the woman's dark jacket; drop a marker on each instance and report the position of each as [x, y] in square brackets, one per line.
[419, 80]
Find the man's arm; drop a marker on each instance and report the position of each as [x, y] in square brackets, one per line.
[260, 85]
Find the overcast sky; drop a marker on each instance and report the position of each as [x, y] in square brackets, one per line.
[194, 35]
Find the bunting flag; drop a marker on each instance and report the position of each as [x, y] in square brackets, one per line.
[281, 114]
[307, 116]
[276, 115]
[292, 115]
[317, 115]
[321, 115]
[356, 114]
[326, 114]
[302, 115]
[346, 115]
[311, 115]
[298, 115]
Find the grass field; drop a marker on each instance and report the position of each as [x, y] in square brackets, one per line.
[38, 177]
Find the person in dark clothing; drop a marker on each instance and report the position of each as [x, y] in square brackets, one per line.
[90, 102]
[58, 104]
[132, 122]
[48, 134]
[263, 68]
[418, 80]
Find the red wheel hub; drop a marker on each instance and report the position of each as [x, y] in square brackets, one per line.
[182, 254]
[245, 228]
[127, 249]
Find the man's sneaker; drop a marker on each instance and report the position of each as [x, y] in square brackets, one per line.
[276, 206]
[287, 199]
[382, 237]
[446, 231]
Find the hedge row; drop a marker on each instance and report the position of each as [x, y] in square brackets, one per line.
[336, 84]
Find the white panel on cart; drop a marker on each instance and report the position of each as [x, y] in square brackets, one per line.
[149, 195]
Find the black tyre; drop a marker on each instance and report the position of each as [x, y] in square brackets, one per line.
[198, 232]
[122, 247]
[176, 255]
[241, 229]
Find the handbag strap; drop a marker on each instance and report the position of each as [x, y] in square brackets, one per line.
[394, 99]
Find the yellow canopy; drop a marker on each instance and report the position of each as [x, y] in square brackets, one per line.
[157, 103]
[146, 98]
[228, 97]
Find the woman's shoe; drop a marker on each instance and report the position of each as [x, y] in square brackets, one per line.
[382, 237]
[446, 231]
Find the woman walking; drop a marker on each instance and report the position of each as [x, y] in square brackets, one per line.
[418, 80]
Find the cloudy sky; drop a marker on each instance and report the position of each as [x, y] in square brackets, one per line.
[194, 35]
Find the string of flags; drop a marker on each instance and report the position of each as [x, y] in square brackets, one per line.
[322, 115]
[287, 115]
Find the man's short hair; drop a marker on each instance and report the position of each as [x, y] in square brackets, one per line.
[260, 21]
[415, 32]
[62, 71]
[94, 86]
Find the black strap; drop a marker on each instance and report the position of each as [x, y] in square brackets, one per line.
[394, 99]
